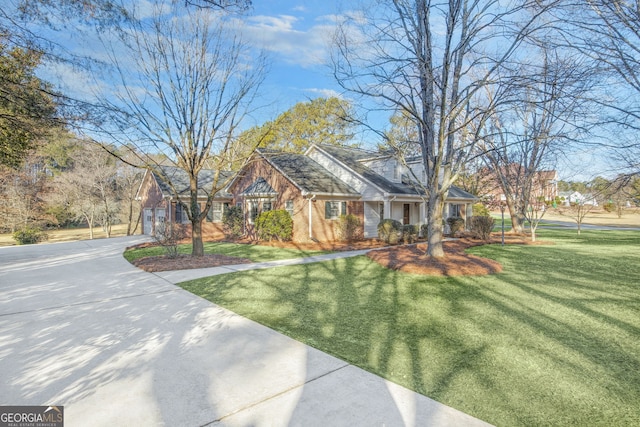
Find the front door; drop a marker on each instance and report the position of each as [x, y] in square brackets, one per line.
[406, 214]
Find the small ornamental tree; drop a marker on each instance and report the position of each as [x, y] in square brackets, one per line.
[276, 224]
[168, 235]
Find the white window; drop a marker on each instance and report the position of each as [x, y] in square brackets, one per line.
[333, 209]
[181, 214]
[253, 211]
[215, 213]
[266, 206]
[288, 205]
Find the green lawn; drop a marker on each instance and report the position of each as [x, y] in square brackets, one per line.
[255, 253]
[553, 340]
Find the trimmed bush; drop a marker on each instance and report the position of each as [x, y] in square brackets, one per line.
[232, 222]
[482, 226]
[389, 231]
[409, 233]
[276, 224]
[424, 230]
[455, 224]
[29, 235]
[350, 228]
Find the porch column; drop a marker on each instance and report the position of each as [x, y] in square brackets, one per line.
[387, 205]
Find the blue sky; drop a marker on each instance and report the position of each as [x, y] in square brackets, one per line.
[296, 35]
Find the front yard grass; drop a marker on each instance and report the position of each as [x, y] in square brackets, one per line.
[255, 253]
[552, 340]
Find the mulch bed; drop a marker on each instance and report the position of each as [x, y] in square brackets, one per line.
[186, 262]
[413, 258]
[406, 258]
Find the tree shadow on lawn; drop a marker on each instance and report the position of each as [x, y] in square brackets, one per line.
[511, 349]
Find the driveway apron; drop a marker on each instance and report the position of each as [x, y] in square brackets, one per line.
[82, 328]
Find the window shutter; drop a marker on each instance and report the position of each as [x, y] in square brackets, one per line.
[327, 210]
[344, 208]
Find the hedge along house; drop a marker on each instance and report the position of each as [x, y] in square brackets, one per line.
[160, 202]
[314, 197]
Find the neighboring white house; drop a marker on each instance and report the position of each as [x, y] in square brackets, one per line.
[577, 197]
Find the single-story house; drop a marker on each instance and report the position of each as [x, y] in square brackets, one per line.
[325, 182]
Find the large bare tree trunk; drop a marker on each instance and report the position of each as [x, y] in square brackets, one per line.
[196, 237]
[516, 224]
[435, 231]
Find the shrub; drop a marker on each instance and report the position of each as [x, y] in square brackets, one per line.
[482, 226]
[232, 222]
[276, 224]
[29, 235]
[480, 209]
[350, 228]
[168, 235]
[389, 231]
[409, 233]
[609, 207]
[455, 224]
[424, 230]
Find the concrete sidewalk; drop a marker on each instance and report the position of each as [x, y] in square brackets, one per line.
[82, 328]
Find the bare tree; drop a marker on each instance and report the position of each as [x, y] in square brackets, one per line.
[577, 211]
[609, 32]
[543, 115]
[88, 189]
[431, 60]
[191, 83]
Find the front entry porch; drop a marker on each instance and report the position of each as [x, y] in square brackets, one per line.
[407, 211]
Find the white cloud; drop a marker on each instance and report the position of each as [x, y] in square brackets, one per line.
[287, 37]
[325, 93]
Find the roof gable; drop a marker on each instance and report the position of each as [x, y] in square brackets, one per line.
[306, 174]
[259, 187]
[168, 176]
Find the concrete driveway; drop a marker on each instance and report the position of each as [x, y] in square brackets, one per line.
[82, 328]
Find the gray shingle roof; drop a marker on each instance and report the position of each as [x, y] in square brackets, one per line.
[259, 187]
[307, 174]
[353, 158]
[173, 175]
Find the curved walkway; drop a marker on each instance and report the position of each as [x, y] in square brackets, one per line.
[82, 328]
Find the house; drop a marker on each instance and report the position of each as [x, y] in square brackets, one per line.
[316, 188]
[544, 185]
[328, 181]
[159, 203]
[569, 197]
